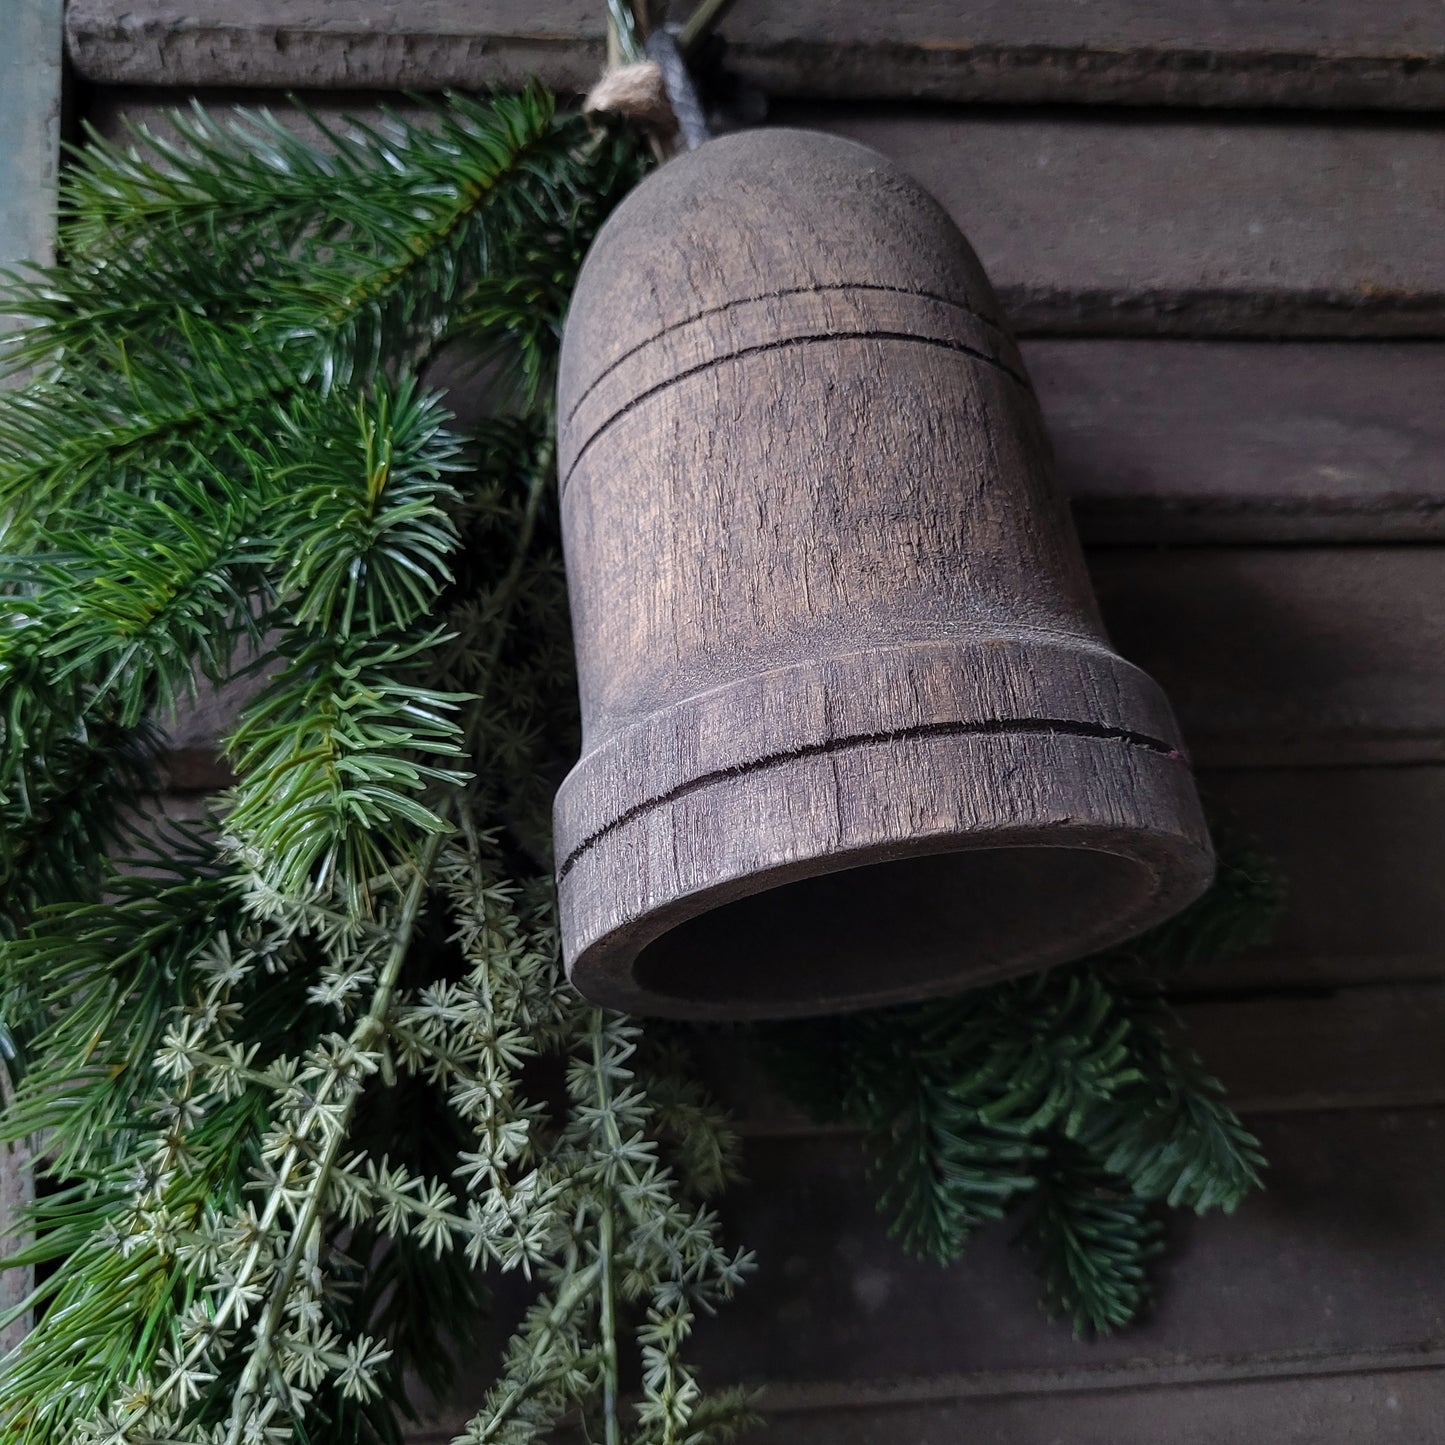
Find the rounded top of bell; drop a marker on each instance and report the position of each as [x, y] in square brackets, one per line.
[760, 214]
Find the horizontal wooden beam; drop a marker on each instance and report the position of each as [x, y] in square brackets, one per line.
[1325, 1406]
[1272, 656]
[1185, 441]
[1287, 656]
[1327, 1257]
[1360, 852]
[1198, 226]
[1386, 1397]
[1354, 1048]
[1389, 53]
[1360, 1048]
[1224, 441]
[31, 98]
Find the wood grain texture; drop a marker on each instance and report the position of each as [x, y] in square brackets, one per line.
[1343, 1253]
[843, 683]
[30, 127]
[1274, 657]
[1348, 1402]
[1395, 1407]
[1315, 1314]
[1125, 224]
[1365, 1047]
[1359, 1048]
[1220, 441]
[1361, 852]
[1389, 54]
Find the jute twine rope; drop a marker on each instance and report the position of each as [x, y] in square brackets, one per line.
[657, 93]
[638, 92]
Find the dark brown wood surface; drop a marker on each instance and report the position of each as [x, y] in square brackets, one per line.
[1287, 655]
[1388, 53]
[1168, 441]
[1361, 852]
[1223, 441]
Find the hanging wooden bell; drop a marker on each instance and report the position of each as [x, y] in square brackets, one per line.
[853, 732]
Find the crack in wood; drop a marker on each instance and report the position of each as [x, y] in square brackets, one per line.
[988, 728]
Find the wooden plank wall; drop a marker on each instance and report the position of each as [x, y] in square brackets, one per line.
[1216, 225]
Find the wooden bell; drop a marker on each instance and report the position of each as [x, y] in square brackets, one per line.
[853, 733]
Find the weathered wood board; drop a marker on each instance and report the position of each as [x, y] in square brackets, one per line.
[1364, 1047]
[1343, 1253]
[1169, 441]
[1358, 1048]
[1361, 852]
[1388, 53]
[1271, 656]
[1359, 1403]
[1395, 1407]
[30, 127]
[1290, 656]
[1190, 226]
[1224, 441]
[1119, 224]
[30, 115]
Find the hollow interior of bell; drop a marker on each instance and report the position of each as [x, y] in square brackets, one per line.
[891, 931]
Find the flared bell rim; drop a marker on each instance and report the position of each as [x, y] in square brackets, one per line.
[1126, 874]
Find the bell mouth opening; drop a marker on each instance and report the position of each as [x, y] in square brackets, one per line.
[892, 931]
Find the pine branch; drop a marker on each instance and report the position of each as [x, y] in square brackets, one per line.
[944, 1171]
[1091, 1239]
[113, 422]
[1068, 1094]
[366, 1033]
[1170, 1133]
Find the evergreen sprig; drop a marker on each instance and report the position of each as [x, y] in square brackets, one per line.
[228, 462]
[1068, 1097]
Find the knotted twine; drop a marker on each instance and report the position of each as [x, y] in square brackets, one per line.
[657, 93]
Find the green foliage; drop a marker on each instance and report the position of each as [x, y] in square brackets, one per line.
[1092, 1241]
[309, 1076]
[1066, 1096]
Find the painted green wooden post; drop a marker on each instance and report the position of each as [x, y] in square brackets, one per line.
[30, 90]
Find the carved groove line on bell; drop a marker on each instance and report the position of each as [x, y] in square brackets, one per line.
[783, 294]
[1061, 727]
[772, 323]
[833, 703]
